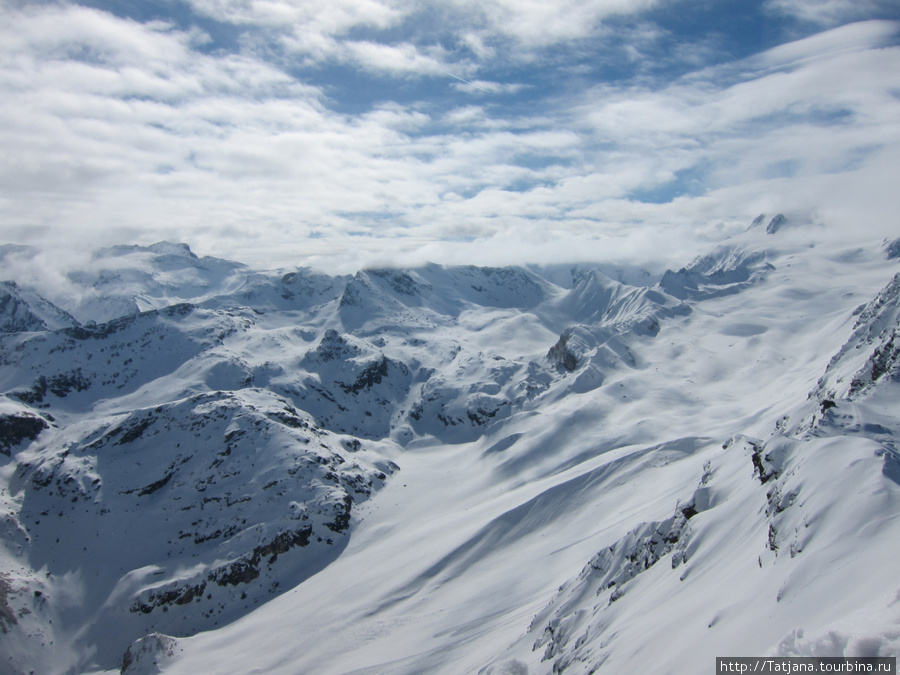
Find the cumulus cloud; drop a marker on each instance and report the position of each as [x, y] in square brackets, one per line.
[402, 58]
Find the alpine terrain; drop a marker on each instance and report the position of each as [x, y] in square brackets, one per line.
[206, 468]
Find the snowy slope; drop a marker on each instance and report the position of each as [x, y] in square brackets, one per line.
[459, 469]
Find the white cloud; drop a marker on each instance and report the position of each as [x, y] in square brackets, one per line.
[401, 58]
[857, 36]
[534, 23]
[529, 21]
[488, 87]
[825, 12]
[116, 130]
[333, 18]
[489, 29]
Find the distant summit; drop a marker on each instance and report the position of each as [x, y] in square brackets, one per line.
[775, 224]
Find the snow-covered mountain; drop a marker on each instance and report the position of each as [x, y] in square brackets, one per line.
[22, 311]
[207, 468]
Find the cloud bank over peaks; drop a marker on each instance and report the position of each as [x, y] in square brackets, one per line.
[278, 132]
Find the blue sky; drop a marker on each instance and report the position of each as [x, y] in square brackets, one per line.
[358, 132]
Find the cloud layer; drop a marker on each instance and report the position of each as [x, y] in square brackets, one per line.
[486, 132]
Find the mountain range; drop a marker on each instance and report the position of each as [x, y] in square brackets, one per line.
[452, 469]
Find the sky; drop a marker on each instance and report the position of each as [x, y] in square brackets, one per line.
[358, 132]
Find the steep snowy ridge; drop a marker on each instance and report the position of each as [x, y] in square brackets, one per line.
[607, 575]
[594, 474]
[873, 351]
[24, 311]
[597, 299]
[725, 271]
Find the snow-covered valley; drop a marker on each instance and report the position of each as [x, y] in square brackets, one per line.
[210, 469]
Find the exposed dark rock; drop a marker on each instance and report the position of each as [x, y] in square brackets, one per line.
[886, 300]
[59, 385]
[19, 427]
[369, 377]
[481, 416]
[239, 572]
[342, 520]
[776, 224]
[104, 330]
[759, 220]
[135, 431]
[764, 473]
[284, 542]
[561, 356]
[616, 565]
[155, 485]
[333, 347]
[778, 502]
[877, 331]
[178, 596]
[884, 362]
[7, 615]
[290, 419]
[246, 569]
[689, 511]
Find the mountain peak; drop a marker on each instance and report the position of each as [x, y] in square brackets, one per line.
[778, 222]
[163, 248]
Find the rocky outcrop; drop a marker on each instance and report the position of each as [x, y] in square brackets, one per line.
[575, 614]
[775, 223]
[778, 222]
[870, 355]
[561, 356]
[18, 427]
[149, 654]
[7, 615]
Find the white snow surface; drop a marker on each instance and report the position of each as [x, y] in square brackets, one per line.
[453, 469]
